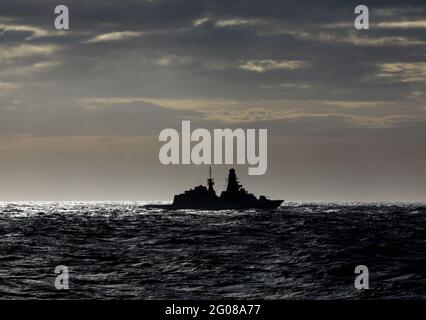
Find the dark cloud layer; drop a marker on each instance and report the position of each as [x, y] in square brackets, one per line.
[299, 68]
[342, 63]
[236, 50]
[116, 120]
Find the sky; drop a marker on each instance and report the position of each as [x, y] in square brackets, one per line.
[81, 109]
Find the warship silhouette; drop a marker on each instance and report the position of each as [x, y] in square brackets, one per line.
[205, 198]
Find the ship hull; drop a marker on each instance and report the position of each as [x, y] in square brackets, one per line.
[235, 197]
[260, 205]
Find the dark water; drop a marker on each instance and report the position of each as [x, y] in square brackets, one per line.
[301, 251]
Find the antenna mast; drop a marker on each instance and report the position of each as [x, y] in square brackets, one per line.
[210, 181]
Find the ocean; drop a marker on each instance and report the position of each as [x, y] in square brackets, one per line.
[121, 250]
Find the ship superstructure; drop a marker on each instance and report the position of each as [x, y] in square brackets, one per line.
[234, 197]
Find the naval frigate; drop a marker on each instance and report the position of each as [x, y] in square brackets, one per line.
[205, 198]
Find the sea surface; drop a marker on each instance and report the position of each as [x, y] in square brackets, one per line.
[121, 250]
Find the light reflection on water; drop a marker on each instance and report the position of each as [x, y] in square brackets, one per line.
[124, 251]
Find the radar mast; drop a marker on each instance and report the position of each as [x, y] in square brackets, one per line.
[210, 181]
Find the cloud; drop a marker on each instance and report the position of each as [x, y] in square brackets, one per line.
[270, 65]
[25, 60]
[352, 37]
[7, 87]
[111, 119]
[323, 120]
[237, 22]
[29, 70]
[286, 85]
[110, 101]
[115, 36]
[195, 104]
[421, 24]
[173, 60]
[364, 107]
[124, 117]
[205, 56]
[16, 28]
[26, 50]
[312, 115]
[200, 21]
[403, 71]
